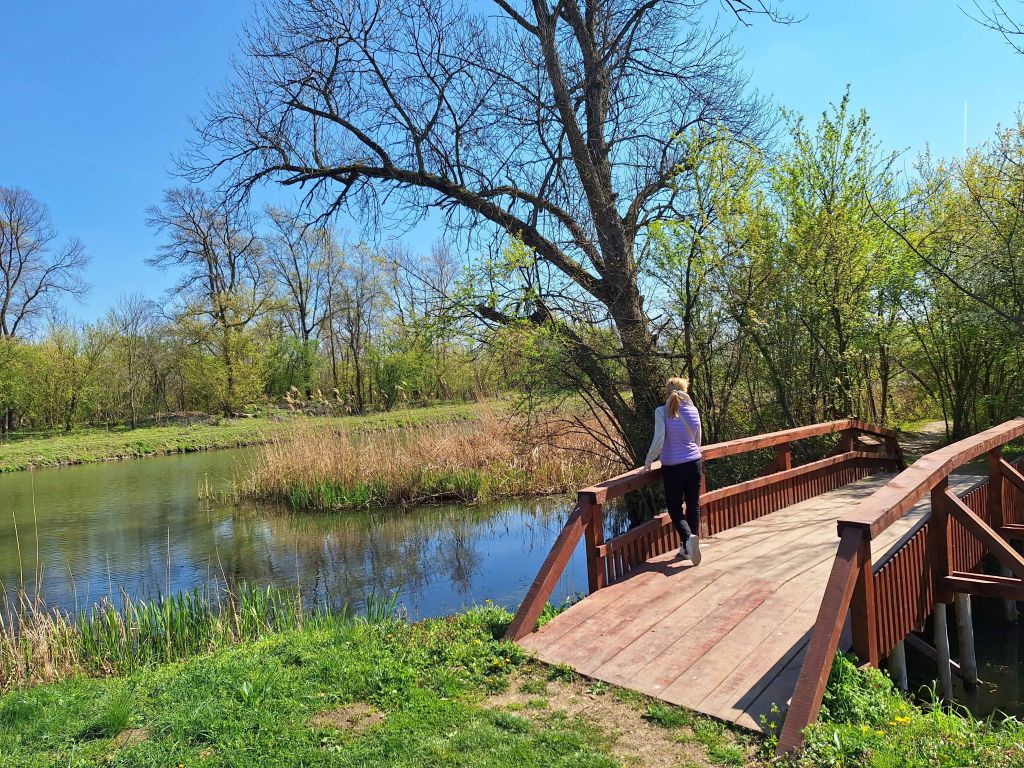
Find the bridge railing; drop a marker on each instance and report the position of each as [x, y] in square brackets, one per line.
[936, 558]
[780, 485]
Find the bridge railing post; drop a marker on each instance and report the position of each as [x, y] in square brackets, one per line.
[939, 541]
[593, 535]
[995, 488]
[863, 610]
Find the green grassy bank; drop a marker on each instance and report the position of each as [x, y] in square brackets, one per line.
[87, 445]
[380, 692]
[261, 685]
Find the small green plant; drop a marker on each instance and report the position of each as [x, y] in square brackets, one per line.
[114, 714]
[667, 716]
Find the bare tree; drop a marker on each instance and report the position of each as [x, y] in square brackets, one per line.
[300, 259]
[358, 299]
[34, 271]
[131, 317]
[996, 16]
[555, 123]
[223, 286]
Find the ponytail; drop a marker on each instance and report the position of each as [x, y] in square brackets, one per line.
[677, 388]
[675, 399]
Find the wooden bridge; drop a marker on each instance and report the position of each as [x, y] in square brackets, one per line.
[779, 592]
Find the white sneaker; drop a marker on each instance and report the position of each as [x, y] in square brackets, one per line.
[693, 545]
[684, 553]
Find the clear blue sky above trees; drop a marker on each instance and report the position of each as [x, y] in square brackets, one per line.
[97, 98]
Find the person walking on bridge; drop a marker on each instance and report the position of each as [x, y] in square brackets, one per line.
[677, 441]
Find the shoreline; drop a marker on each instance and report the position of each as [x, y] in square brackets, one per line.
[97, 445]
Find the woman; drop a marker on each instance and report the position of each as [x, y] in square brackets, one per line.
[677, 441]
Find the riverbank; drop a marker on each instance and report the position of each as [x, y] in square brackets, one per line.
[265, 684]
[90, 445]
[366, 692]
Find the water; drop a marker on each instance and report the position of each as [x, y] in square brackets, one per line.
[999, 649]
[139, 526]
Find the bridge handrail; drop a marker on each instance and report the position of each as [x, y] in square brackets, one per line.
[890, 502]
[638, 478]
[851, 584]
[586, 520]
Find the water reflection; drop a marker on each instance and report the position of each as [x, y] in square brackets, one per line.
[139, 527]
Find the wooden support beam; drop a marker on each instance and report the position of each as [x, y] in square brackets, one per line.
[1013, 531]
[863, 611]
[978, 528]
[551, 570]
[594, 537]
[783, 459]
[929, 652]
[939, 542]
[1011, 473]
[986, 585]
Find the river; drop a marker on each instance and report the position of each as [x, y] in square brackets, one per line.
[140, 527]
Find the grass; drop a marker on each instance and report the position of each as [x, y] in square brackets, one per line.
[867, 723]
[380, 692]
[270, 688]
[489, 458]
[83, 446]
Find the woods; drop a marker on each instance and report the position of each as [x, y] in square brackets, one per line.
[615, 206]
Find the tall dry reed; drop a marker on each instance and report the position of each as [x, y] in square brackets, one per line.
[39, 645]
[482, 460]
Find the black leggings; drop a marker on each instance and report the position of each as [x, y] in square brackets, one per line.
[683, 481]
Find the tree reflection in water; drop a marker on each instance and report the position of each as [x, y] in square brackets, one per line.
[139, 526]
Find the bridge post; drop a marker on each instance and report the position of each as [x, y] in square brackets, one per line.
[998, 518]
[593, 535]
[863, 615]
[897, 664]
[965, 631]
[941, 634]
[939, 542]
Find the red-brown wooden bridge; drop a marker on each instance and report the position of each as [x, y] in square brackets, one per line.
[778, 593]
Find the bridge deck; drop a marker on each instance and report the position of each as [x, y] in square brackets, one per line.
[726, 638]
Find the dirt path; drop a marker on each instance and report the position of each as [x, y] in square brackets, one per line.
[926, 438]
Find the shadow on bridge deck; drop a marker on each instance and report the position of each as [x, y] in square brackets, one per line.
[726, 638]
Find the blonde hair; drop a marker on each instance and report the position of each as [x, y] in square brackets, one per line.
[677, 388]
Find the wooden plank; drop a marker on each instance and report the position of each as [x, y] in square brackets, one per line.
[1003, 552]
[726, 672]
[693, 643]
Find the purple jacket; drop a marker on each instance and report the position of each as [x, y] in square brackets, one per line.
[676, 440]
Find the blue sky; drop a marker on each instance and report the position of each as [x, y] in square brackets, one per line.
[97, 97]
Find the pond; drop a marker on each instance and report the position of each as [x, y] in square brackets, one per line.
[93, 530]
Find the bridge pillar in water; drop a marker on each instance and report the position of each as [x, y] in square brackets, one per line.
[897, 664]
[941, 634]
[965, 632]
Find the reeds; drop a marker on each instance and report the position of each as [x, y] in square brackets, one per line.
[483, 460]
[39, 645]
